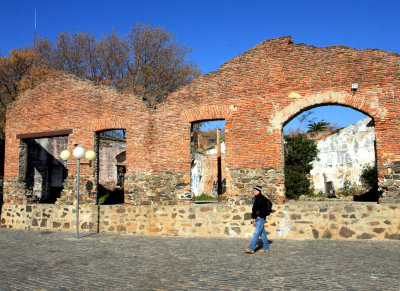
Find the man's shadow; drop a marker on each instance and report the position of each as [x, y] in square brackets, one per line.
[260, 244]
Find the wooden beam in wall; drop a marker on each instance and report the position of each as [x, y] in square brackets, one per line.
[44, 134]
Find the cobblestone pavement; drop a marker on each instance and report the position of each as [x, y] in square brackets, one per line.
[42, 260]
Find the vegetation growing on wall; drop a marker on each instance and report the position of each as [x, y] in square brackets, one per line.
[205, 197]
[300, 151]
[350, 189]
[369, 176]
[369, 179]
[368, 191]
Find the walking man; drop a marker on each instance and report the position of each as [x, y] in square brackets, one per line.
[259, 213]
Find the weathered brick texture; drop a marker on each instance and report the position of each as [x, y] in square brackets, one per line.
[256, 93]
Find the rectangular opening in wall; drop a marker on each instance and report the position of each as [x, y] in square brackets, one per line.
[41, 167]
[208, 179]
[111, 165]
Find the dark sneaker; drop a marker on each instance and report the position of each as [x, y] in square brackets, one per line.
[249, 251]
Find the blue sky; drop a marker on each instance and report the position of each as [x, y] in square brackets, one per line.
[216, 30]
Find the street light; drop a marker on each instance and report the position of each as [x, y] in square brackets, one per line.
[78, 153]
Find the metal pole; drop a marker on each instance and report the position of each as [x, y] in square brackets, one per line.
[77, 199]
[219, 168]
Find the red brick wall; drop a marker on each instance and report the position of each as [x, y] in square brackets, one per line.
[65, 102]
[256, 93]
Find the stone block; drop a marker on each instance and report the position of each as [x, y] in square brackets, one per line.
[395, 236]
[315, 233]
[327, 234]
[237, 217]
[349, 208]
[365, 236]
[379, 230]
[346, 232]
[43, 223]
[247, 216]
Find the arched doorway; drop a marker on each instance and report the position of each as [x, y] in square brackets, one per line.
[330, 152]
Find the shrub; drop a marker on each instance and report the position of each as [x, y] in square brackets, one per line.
[349, 189]
[369, 176]
[300, 152]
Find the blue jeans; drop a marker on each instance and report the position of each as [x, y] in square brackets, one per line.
[260, 230]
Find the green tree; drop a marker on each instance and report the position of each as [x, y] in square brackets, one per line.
[319, 126]
[299, 154]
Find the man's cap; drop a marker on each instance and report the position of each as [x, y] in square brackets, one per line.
[258, 188]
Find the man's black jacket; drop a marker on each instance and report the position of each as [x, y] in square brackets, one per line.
[260, 207]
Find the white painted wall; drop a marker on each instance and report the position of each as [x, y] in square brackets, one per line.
[344, 155]
[198, 172]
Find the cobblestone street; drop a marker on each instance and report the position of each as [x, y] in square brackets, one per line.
[38, 260]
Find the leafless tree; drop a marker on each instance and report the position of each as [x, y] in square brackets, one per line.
[149, 62]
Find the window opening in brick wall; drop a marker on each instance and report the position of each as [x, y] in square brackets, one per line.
[41, 167]
[208, 174]
[2, 147]
[345, 165]
[111, 165]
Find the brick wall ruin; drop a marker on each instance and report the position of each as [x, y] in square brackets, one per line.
[256, 94]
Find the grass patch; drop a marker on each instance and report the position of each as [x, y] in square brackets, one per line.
[104, 198]
[115, 196]
[205, 197]
[318, 195]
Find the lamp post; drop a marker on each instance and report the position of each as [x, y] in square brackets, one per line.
[78, 153]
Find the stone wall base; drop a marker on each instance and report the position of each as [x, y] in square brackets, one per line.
[270, 179]
[49, 217]
[156, 188]
[308, 220]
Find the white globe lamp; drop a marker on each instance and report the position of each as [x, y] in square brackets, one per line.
[65, 155]
[90, 155]
[78, 152]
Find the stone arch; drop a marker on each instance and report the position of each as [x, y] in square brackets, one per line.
[300, 104]
[108, 123]
[208, 113]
